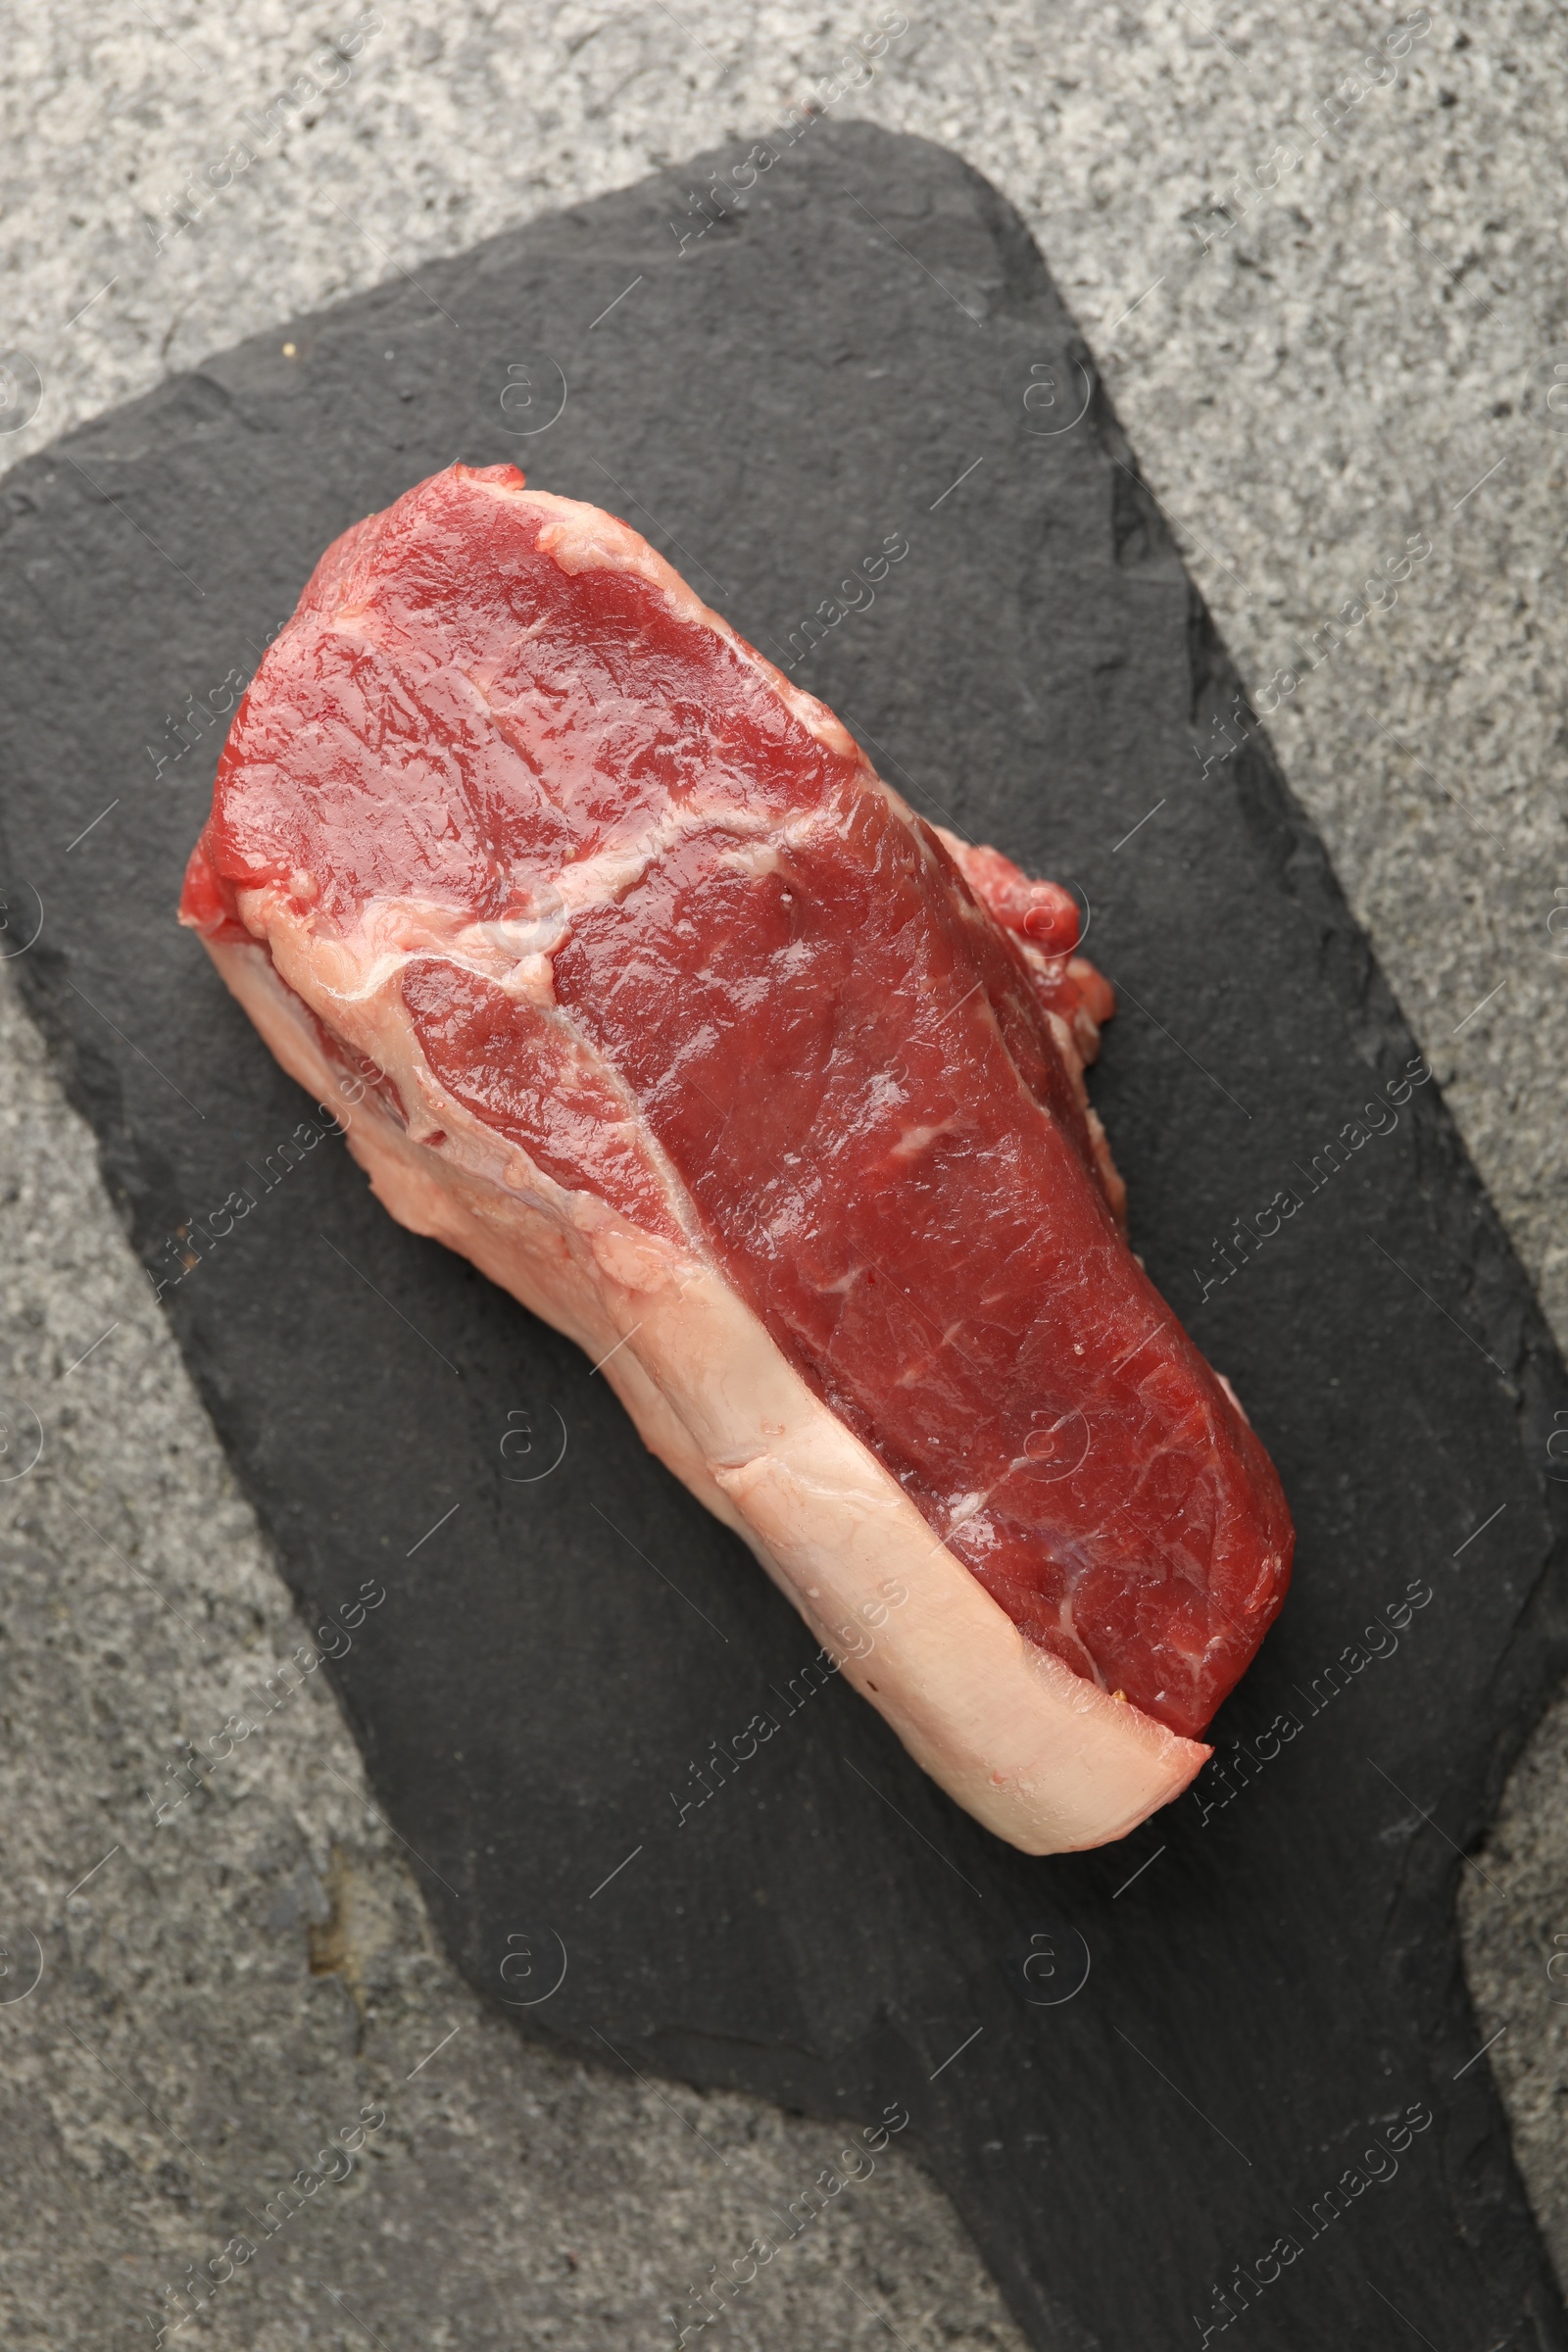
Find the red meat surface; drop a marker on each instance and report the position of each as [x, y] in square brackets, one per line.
[754, 1003]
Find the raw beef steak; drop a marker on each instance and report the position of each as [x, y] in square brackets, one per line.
[634, 983]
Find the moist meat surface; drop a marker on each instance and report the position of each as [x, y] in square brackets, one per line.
[655, 920]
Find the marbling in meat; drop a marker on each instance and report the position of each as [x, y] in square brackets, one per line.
[686, 1029]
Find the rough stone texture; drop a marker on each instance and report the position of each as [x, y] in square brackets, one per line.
[1362, 356]
[1516, 1923]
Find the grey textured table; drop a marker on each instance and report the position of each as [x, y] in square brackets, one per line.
[1326, 296]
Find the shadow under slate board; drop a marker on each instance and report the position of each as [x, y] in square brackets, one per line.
[1133, 2069]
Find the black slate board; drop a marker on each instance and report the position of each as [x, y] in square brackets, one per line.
[869, 347]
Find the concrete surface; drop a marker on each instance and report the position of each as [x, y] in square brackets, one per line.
[1329, 310]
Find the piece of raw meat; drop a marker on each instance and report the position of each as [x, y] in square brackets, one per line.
[675, 1019]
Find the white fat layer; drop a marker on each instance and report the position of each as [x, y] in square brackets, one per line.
[604, 878]
[368, 1014]
[514, 952]
[1042, 1757]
